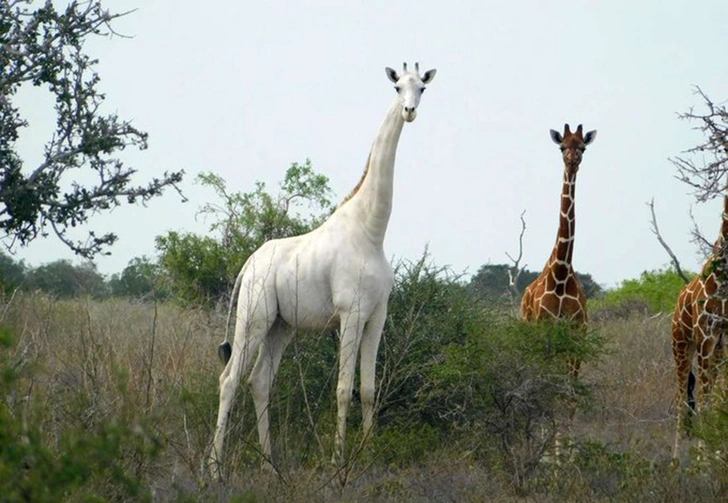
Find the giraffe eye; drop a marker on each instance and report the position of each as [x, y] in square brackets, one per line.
[562, 148]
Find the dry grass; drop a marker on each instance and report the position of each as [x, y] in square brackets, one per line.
[634, 387]
[156, 366]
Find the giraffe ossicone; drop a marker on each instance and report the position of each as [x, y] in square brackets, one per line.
[334, 276]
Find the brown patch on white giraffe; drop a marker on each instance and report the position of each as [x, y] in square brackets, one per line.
[359, 184]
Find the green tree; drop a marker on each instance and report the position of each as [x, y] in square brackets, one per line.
[12, 273]
[203, 268]
[44, 47]
[65, 280]
[490, 283]
[199, 268]
[592, 289]
[141, 278]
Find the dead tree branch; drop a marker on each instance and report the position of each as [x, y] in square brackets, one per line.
[514, 271]
[656, 231]
[704, 246]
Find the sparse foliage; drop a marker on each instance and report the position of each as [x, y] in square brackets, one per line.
[44, 47]
[705, 166]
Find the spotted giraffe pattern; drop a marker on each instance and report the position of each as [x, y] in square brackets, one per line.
[698, 325]
[557, 294]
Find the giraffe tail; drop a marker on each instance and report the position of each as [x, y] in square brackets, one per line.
[225, 350]
[691, 391]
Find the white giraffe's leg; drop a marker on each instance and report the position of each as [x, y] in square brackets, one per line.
[262, 376]
[254, 321]
[369, 347]
[351, 332]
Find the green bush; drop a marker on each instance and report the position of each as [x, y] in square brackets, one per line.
[510, 384]
[398, 446]
[429, 309]
[658, 289]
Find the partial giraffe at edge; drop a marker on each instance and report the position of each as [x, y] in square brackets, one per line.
[557, 294]
[698, 327]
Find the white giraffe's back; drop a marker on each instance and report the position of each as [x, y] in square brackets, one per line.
[332, 269]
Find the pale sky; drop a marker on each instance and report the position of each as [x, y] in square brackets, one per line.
[245, 88]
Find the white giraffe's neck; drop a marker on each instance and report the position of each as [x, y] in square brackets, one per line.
[372, 203]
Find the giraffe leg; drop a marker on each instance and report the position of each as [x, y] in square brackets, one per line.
[242, 356]
[683, 352]
[717, 357]
[350, 339]
[369, 347]
[254, 321]
[262, 376]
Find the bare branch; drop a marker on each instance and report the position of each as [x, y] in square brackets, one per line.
[656, 231]
[704, 246]
[707, 175]
[514, 271]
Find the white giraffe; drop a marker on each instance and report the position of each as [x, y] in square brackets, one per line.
[336, 275]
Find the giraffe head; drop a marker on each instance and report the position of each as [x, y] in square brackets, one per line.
[573, 145]
[410, 86]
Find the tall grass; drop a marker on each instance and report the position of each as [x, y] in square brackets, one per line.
[117, 401]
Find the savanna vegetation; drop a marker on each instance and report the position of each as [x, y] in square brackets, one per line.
[115, 399]
[108, 385]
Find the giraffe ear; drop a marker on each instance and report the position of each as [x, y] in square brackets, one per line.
[428, 76]
[589, 137]
[556, 137]
[392, 74]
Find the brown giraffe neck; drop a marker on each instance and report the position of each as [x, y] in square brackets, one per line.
[563, 252]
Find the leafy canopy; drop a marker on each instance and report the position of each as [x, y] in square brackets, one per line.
[44, 47]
